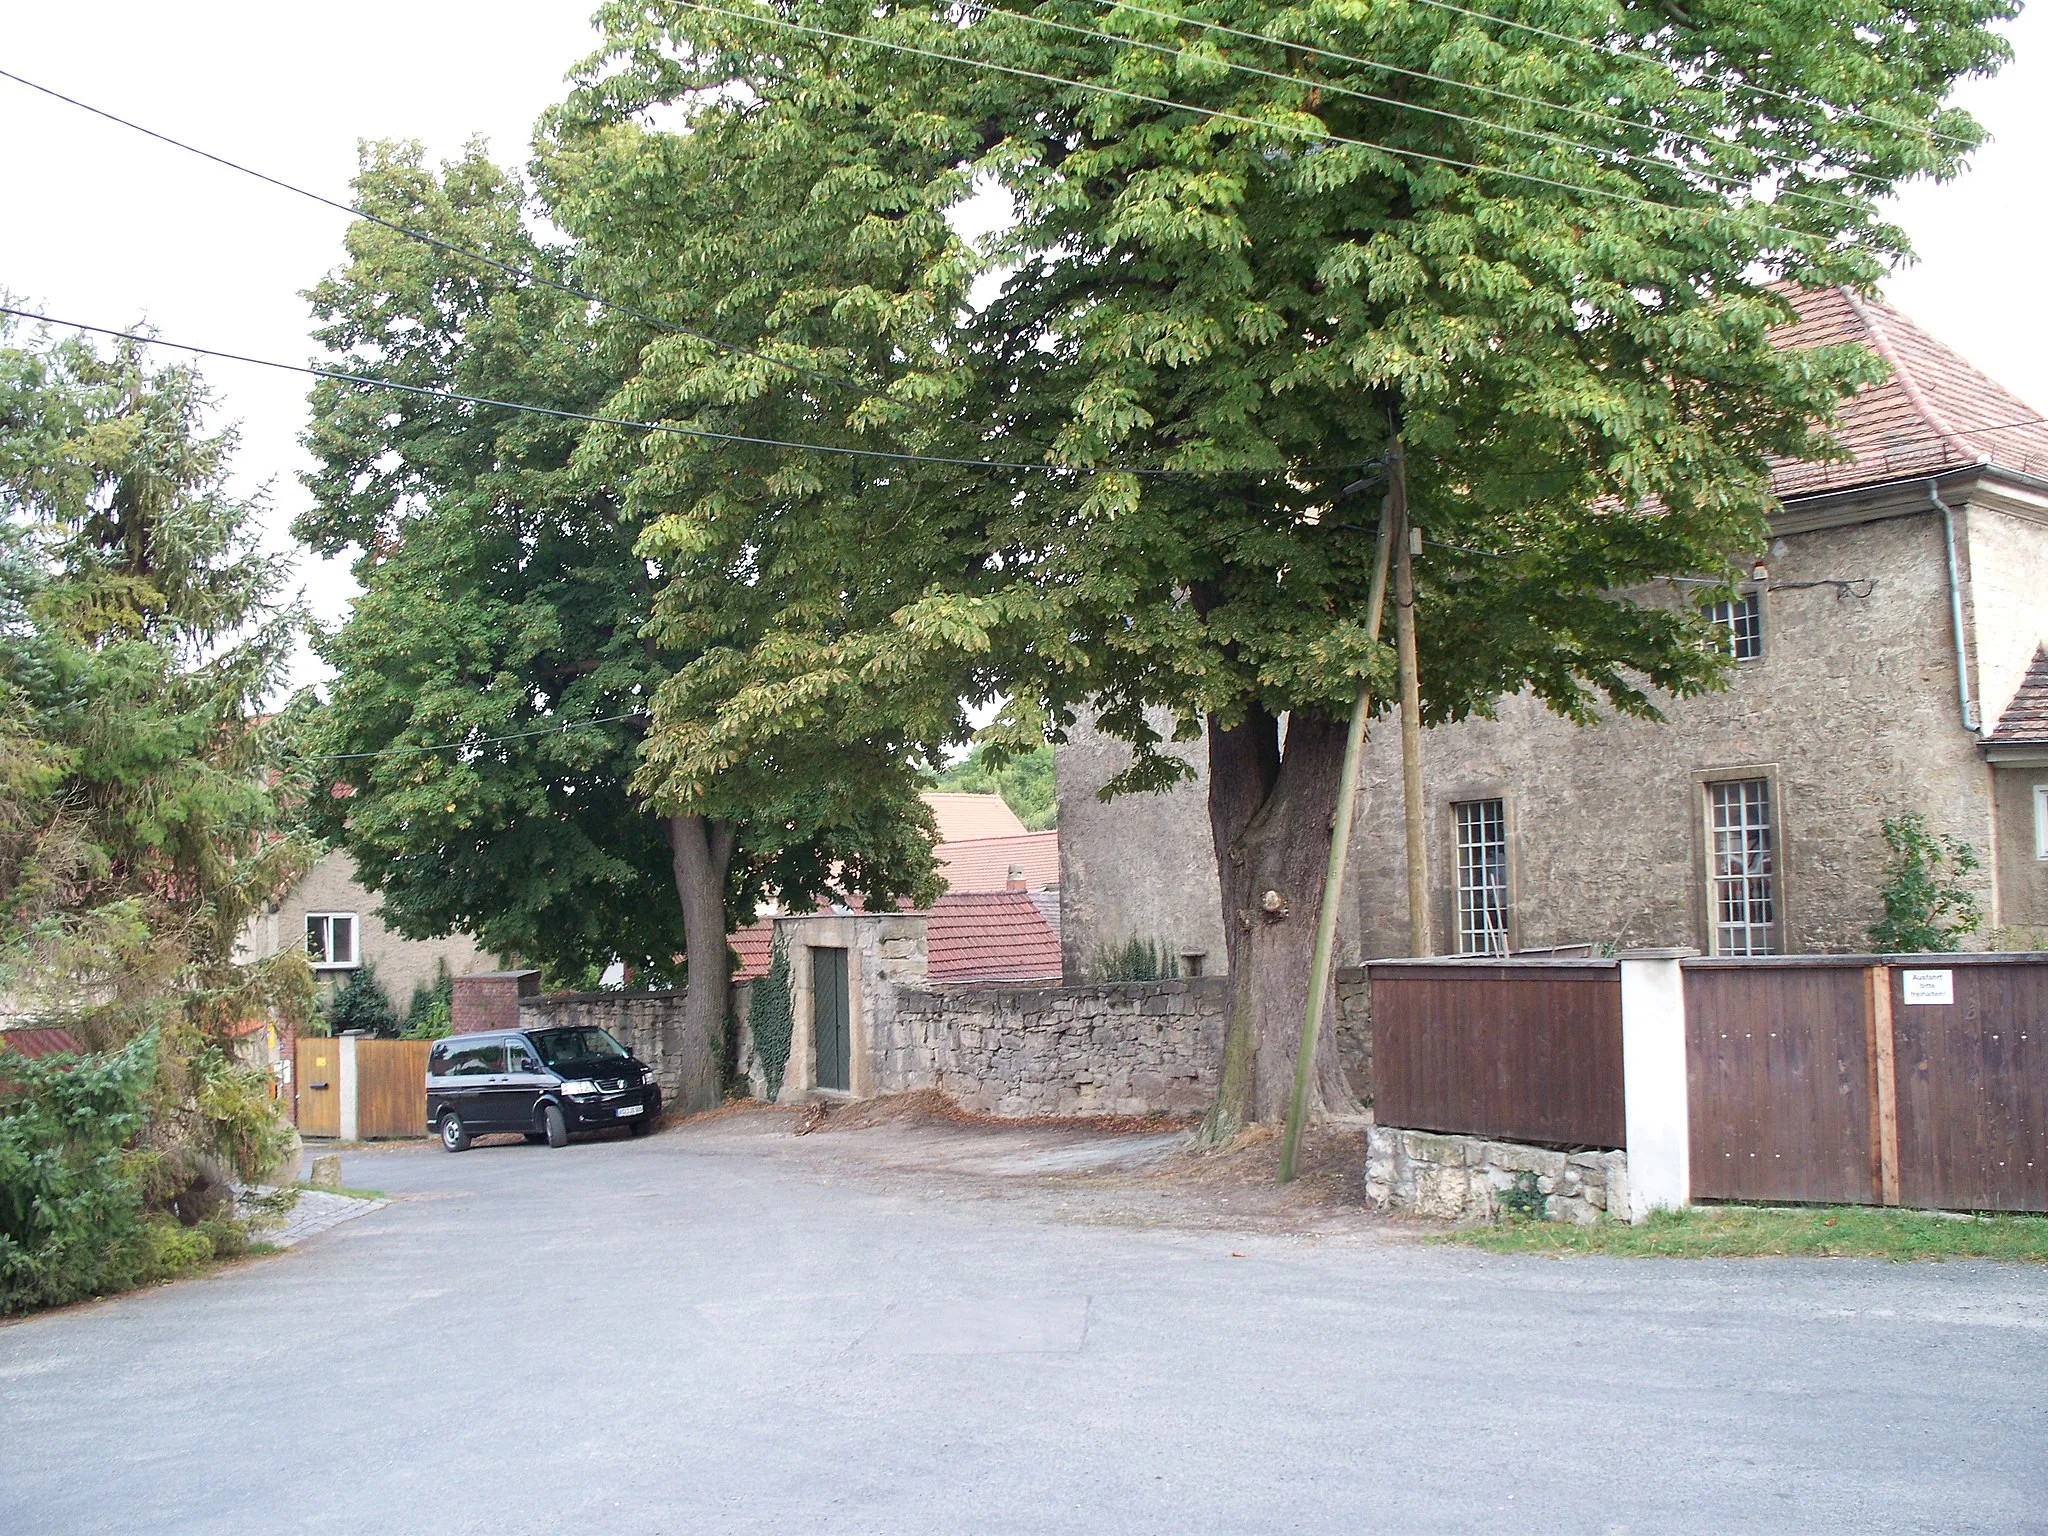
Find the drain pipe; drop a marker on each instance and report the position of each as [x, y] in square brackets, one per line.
[1955, 605]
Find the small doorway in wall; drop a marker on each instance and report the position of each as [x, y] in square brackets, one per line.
[832, 1024]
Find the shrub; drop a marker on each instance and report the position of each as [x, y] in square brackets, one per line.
[362, 1004]
[1134, 960]
[429, 1016]
[770, 1016]
[71, 1190]
[1927, 908]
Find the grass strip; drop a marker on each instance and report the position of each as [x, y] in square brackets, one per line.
[335, 1189]
[1761, 1232]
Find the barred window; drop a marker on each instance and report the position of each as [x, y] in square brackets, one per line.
[1745, 867]
[1482, 877]
[1739, 625]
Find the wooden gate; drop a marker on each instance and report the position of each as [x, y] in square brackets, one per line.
[1972, 1074]
[1781, 1076]
[318, 1076]
[391, 1088]
[830, 1024]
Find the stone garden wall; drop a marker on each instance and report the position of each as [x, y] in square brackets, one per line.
[1462, 1178]
[1122, 1048]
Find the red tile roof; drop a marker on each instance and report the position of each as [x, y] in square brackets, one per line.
[752, 944]
[962, 814]
[2025, 720]
[991, 936]
[38, 1042]
[983, 863]
[1935, 412]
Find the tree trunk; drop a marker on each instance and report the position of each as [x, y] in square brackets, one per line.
[701, 854]
[1270, 814]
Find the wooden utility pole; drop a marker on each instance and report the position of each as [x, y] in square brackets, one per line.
[1340, 851]
[1405, 539]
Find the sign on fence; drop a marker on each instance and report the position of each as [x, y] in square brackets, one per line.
[1923, 988]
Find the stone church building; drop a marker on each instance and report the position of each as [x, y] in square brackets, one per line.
[1888, 657]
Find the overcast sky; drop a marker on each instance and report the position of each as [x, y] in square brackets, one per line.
[104, 226]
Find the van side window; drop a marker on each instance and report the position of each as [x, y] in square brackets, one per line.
[477, 1060]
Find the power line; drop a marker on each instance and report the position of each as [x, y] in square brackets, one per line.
[524, 274]
[702, 433]
[1726, 179]
[484, 741]
[1589, 44]
[1223, 115]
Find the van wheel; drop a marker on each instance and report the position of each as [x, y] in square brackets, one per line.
[557, 1127]
[453, 1137]
[535, 1138]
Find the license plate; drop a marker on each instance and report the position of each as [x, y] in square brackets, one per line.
[629, 1109]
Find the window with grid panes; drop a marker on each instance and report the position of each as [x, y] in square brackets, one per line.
[1744, 867]
[1739, 625]
[1482, 828]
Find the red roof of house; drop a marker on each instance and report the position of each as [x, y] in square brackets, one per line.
[39, 1042]
[991, 936]
[1935, 412]
[751, 943]
[2025, 720]
[984, 863]
[971, 936]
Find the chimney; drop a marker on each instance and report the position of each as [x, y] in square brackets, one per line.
[1014, 881]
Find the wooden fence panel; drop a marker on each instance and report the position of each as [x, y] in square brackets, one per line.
[1973, 1088]
[1780, 1082]
[1523, 1052]
[391, 1088]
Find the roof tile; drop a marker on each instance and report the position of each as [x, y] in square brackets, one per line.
[2025, 720]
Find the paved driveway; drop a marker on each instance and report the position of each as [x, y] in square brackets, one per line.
[726, 1328]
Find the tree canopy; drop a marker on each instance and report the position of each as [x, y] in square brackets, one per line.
[1249, 243]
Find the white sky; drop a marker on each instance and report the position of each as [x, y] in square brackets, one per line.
[104, 226]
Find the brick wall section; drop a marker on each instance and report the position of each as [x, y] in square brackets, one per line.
[489, 1000]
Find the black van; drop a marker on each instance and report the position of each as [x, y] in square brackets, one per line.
[543, 1083]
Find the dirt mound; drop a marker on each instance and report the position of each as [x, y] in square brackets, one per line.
[929, 1106]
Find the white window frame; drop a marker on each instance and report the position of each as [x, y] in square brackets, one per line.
[1731, 616]
[354, 961]
[1759, 936]
[1483, 908]
[2041, 822]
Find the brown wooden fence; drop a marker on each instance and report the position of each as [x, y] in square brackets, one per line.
[1522, 1050]
[1972, 1087]
[1873, 1080]
[391, 1088]
[1782, 1080]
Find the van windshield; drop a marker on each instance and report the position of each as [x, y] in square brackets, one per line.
[561, 1046]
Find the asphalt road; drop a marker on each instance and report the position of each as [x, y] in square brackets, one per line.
[720, 1329]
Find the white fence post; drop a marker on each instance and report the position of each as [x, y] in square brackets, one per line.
[346, 1079]
[1659, 1131]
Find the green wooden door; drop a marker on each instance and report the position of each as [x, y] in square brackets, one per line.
[833, 1025]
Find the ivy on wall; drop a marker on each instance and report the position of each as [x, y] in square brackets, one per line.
[771, 1018]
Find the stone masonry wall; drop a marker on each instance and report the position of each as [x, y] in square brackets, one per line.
[649, 1024]
[1461, 1178]
[1138, 1048]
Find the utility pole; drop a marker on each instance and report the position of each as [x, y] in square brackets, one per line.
[1406, 540]
[1340, 838]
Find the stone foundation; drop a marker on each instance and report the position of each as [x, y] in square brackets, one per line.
[1461, 1178]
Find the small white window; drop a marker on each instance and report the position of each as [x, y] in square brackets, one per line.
[1739, 626]
[2041, 821]
[331, 940]
[1482, 877]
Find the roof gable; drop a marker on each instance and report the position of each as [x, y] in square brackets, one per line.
[2025, 721]
[1934, 412]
